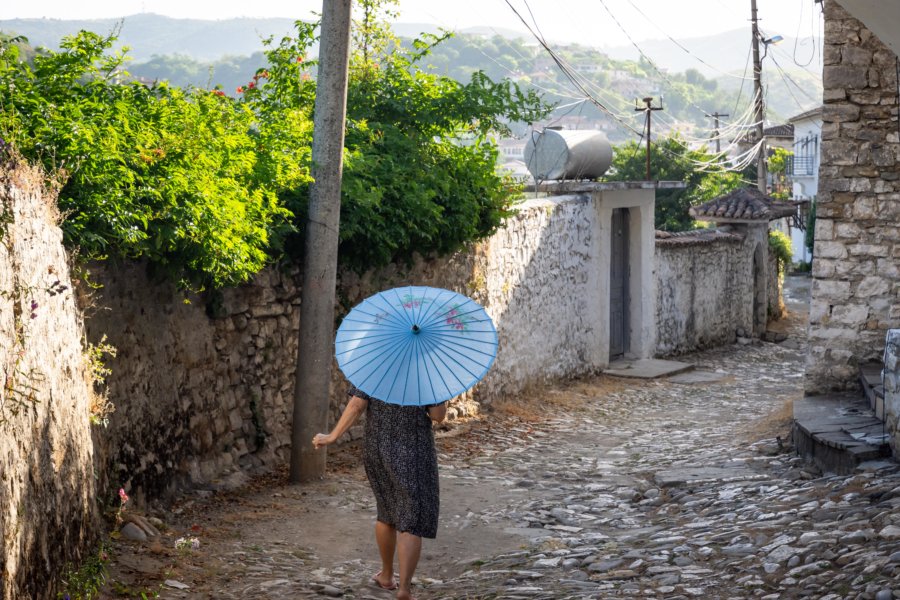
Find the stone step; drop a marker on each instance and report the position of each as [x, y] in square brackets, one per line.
[870, 378]
[838, 432]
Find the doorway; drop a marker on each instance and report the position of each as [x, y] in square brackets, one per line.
[618, 285]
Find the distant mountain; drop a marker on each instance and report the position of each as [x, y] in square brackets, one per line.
[148, 34]
[728, 52]
[412, 30]
[186, 51]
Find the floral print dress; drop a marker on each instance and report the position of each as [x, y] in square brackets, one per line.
[401, 465]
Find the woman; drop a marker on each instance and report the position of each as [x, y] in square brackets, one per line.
[401, 465]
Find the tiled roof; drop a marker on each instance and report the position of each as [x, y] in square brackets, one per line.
[695, 238]
[743, 204]
[779, 131]
[775, 131]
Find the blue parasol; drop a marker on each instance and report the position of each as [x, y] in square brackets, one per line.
[416, 345]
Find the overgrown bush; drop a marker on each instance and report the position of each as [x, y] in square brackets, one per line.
[780, 243]
[159, 173]
[420, 165]
[207, 188]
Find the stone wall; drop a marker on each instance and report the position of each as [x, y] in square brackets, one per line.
[204, 388]
[891, 381]
[705, 287]
[856, 279]
[204, 399]
[47, 495]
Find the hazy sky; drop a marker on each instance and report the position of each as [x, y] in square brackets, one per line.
[583, 21]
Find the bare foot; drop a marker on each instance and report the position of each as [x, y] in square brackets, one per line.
[385, 582]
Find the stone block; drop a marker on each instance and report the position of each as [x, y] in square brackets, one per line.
[875, 114]
[865, 208]
[823, 267]
[888, 205]
[853, 269]
[833, 95]
[883, 186]
[830, 250]
[851, 315]
[847, 230]
[872, 286]
[824, 229]
[851, 55]
[830, 290]
[865, 97]
[833, 333]
[840, 152]
[842, 112]
[860, 184]
[888, 268]
[880, 251]
[819, 311]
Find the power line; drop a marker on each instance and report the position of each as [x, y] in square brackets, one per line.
[677, 43]
[582, 84]
[716, 116]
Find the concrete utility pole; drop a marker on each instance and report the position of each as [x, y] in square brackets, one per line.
[648, 109]
[716, 116]
[315, 350]
[757, 89]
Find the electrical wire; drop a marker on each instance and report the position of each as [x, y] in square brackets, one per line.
[741, 89]
[582, 84]
[787, 78]
[812, 37]
[677, 43]
[644, 55]
[535, 32]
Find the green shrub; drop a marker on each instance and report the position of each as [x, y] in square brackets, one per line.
[154, 172]
[207, 188]
[780, 244]
[420, 167]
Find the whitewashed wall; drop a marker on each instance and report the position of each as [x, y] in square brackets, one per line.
[704, 291]
[203, 398]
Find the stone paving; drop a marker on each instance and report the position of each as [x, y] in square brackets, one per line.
[656, 489]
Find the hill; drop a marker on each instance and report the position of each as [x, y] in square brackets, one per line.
[206, 53]
[728, 50]
[148, 34]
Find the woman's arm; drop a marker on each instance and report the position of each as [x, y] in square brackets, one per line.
[438, 412]
[355, 407]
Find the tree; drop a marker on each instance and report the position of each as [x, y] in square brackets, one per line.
[419, 174]
[671, 160]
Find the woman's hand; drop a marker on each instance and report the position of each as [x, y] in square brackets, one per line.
[438, 413]
[322, 439]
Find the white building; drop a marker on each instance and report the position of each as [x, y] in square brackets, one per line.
[807, 140]
[805, 172]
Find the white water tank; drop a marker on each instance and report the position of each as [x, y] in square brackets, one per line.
[554, 154]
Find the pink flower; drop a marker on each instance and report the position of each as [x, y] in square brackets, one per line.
[123, 496]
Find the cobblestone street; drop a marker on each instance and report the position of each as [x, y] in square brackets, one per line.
[676, 488]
